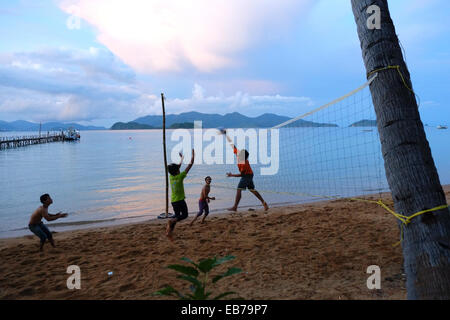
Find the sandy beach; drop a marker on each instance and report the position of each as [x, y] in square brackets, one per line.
[314, 251]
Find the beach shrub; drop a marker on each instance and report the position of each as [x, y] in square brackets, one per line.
[198, 276]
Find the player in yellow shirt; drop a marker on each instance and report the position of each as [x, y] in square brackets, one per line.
[177, 197]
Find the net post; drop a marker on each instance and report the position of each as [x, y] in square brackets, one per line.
[165, 154]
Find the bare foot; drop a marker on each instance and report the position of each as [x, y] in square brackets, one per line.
[266, 207]
[170, 235]
[168, 228]
[192, 222]
[52, 243]
[232, 209]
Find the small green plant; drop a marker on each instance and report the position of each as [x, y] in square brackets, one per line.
[198, 276]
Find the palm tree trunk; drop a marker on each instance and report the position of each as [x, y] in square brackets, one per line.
[410, 169]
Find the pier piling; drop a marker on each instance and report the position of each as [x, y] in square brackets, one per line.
[15, 142]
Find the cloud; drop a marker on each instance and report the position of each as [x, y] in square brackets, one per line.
[89, 73]
[172, 35]
[26, 104]
[62, 84]
[97, 63]
[38, 106]
[251, 105]
[78, 85]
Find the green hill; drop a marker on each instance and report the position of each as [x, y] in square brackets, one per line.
[130, 126]
[364, 123]
[184, 125]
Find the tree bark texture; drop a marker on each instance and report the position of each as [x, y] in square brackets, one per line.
[409, 165]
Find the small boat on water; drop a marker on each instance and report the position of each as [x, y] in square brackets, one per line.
[72, 134]
[442, 127]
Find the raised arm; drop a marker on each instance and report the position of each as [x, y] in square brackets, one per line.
[182, 157]
[223, 131]
[230, 141]
[191, 163]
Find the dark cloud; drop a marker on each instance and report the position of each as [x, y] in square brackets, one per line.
[58, 83]
[61, 84]
[93, 73]
[96, 63]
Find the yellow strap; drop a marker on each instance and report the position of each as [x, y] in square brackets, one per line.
[399, 72]
[404, 219]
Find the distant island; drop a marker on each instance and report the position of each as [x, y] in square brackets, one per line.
[184, 125]
[21, 125]
[133, 125]
[130, 126]
[229, 120]
[364, 123]
[303, 123]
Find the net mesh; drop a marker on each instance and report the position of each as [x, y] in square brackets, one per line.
[331, 152]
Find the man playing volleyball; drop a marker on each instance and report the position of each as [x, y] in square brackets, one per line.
[246, 175]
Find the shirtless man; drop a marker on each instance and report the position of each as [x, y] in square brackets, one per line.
[204, 200]
[38, 227]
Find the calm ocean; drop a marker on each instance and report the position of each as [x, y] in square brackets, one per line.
[112, 177]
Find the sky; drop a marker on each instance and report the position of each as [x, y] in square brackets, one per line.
[97, 62]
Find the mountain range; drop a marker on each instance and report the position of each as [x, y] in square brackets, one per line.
[182, 120]
[21, 125]
[229, 120]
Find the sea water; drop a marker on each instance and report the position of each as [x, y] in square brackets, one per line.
[112, 177]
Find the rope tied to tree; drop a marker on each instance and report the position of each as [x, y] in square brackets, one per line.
[404, 219]
[397, 67]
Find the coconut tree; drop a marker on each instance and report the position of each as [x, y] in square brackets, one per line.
[409, 165]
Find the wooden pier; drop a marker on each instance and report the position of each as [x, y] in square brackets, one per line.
[15, 142]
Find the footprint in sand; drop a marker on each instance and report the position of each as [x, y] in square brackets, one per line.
[27, 262]
[27, 292]
[74, 258]
[59, 287]
[126, 287]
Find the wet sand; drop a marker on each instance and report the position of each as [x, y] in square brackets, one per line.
[314, 251]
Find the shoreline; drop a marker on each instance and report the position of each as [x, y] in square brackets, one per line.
[309, 251]
[116, 222]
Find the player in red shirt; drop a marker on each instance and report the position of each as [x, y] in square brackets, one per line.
[246, 175]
